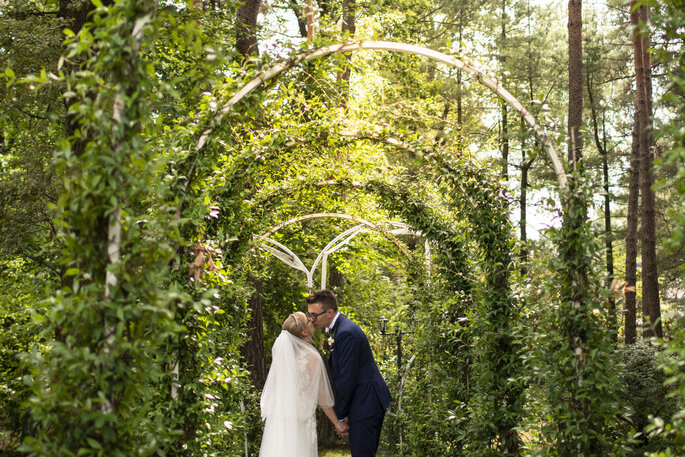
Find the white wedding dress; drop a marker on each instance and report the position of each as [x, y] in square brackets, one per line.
[296, 383]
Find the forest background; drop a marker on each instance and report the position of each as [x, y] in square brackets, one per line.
[536, 317]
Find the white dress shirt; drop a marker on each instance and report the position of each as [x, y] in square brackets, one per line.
[332, 324]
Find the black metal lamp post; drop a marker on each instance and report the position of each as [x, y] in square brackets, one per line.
[383, 326]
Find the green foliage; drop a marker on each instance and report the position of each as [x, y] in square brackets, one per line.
[215, 407]
[91, 390]
[431, 402]
[29, 133]
[495, 403]
[670, 18]
[23, 332]
[664, 427]
[103, 387]
[643, 393]
[574, 380]
[150, 364]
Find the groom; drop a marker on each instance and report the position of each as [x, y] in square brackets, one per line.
[361, 394]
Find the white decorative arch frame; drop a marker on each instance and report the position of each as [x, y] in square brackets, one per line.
[288, 257]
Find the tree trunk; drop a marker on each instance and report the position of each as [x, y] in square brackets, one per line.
[440, 136]
[349, 17]
[349, 27]
[651, 308]
[460, 110]
[523, 202]
[309, 13]
[253, 350]
[504, 142]
[76, 12]
[574, 295]
[630, 330]
[504, 132]
[301, 17]
[246, 28]
[575, 78]
[608, 237]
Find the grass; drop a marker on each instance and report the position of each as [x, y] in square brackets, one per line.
[335, 453]
[342, 453]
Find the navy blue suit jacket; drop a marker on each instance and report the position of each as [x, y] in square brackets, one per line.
[360, 390]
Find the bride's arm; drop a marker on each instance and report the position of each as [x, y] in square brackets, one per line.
[317, 372]
[340, 426]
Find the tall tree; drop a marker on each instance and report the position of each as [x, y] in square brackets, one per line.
[349, 28]
[246, 27]
[575, 77]
[601, 145]
[504, 111]
[253, 348]
[630, 330]
[309, 19]
[651, 308]
[349, 24]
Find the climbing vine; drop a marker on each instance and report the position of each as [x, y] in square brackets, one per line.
[148, 350]
[494, 393]
[109, 384]
[93, 391]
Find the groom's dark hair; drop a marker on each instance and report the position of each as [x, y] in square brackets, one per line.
[325, 297]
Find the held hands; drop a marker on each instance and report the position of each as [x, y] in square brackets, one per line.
[342, 427]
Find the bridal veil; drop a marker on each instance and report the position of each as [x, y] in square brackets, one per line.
[296, 383]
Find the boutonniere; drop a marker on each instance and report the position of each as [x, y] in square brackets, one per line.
[331, 340]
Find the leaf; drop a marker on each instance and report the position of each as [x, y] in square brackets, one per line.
[72, 272]
[94, 444]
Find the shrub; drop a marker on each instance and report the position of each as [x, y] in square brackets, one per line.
[643, 392]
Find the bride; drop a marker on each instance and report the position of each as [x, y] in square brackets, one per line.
[296, 383]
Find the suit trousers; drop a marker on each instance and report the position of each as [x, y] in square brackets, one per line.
[365, 435]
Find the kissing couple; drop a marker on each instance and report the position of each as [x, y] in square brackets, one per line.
[297, 382]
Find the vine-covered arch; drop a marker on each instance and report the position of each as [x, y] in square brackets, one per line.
[490, 304]
[495, 406]
[487, 81]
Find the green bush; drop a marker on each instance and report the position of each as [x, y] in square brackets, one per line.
[19, 334]
[669, 425]
[643, 392]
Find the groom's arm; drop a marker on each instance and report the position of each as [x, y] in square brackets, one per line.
[347, 355]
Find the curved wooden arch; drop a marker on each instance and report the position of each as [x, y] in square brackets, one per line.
[353, 46]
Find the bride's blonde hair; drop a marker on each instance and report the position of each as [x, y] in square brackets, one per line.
[295, 323]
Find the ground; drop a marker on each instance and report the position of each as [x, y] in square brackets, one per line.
[343, 453]
[335, 453]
